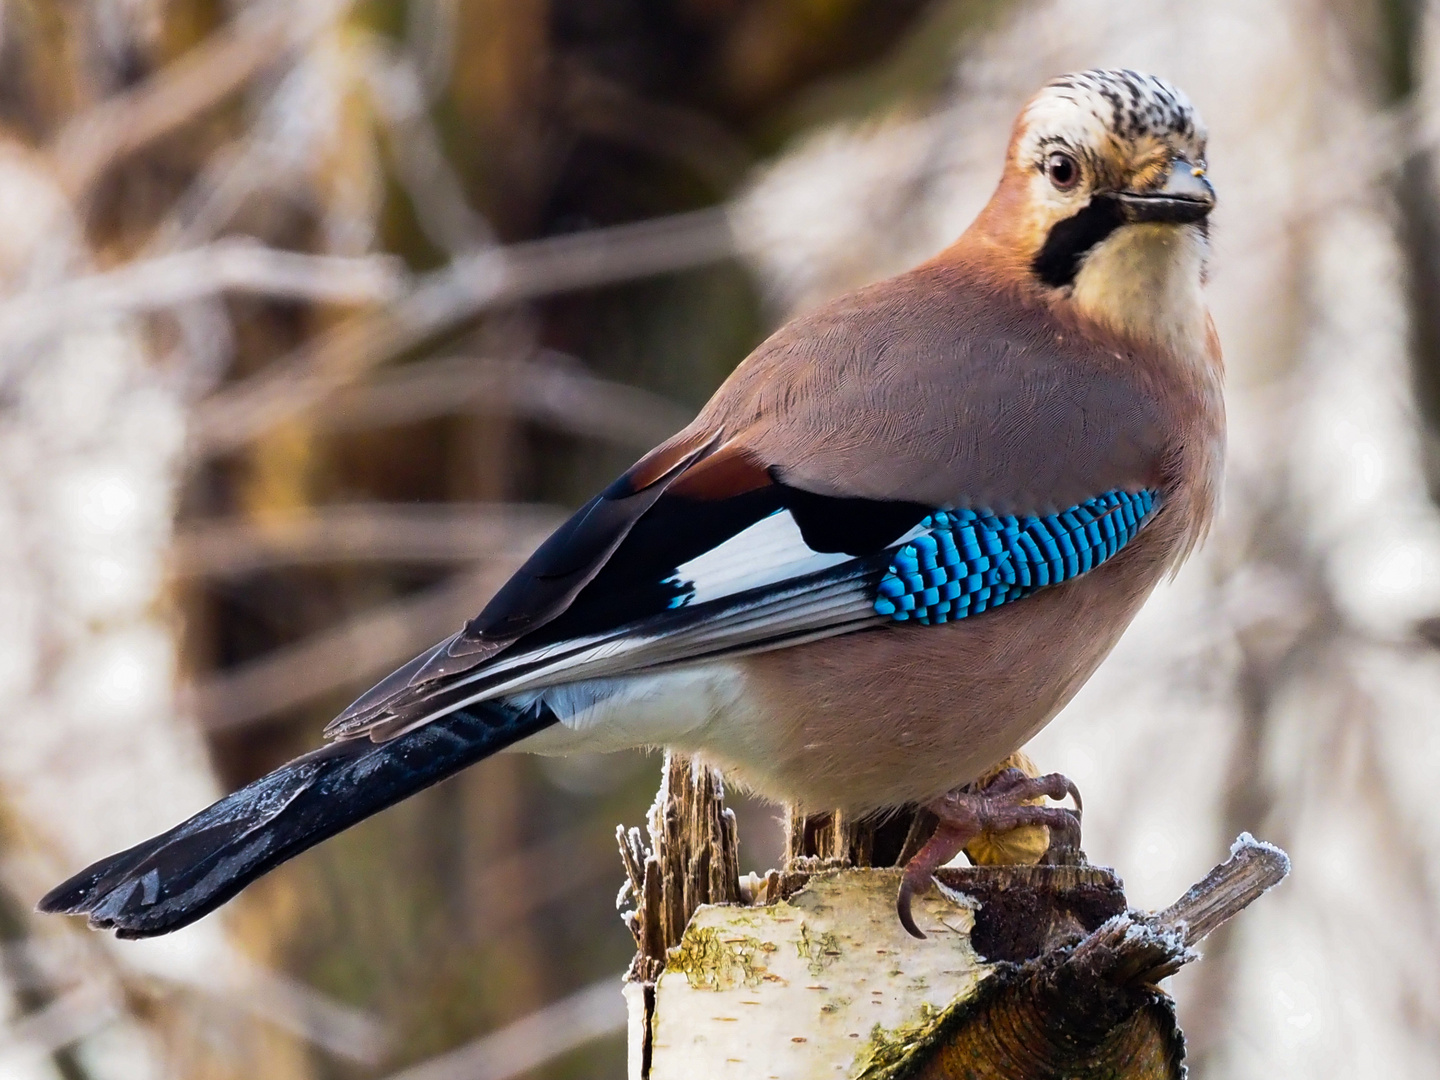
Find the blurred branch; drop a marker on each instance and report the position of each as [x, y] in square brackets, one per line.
[608, 109]
[64, 960]
[513, 886]
[205, 347]
[488, 279]
[207, 74]
[233, 173]
[441, 533]
[544, 1035]
[356, 651]
[275, 156]
[40, 1017]
[244, 985]
[436, 193]
[1373, 150]
[64, 1021]
[289, 1004]
[550, 388]
[235, 265]
[430, 40]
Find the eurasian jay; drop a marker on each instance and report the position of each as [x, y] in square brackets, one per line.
[892, 546]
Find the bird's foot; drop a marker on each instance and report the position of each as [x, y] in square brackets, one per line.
[1002, 804]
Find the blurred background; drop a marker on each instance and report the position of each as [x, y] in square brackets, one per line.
[316, 316]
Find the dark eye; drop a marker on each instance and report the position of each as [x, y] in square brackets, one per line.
[1063, 170]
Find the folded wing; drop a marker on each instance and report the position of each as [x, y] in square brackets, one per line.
[725, 558]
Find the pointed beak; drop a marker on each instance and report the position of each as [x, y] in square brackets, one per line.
[1184, 198]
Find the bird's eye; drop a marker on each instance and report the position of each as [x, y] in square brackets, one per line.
[1063, 170]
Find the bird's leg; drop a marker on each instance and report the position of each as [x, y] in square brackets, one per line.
[965, 813]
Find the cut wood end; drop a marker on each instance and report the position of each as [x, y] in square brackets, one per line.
[1253, 869]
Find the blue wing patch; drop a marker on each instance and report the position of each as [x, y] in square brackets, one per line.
[968, 562]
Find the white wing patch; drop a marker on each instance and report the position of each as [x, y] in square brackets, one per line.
[603, 715]
[771, 550]
[792, 606]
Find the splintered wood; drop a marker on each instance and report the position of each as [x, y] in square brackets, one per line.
[1028, 971]
[693, 858]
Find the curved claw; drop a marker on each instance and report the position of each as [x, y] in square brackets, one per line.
[908, 888]
[1074, 793]
[944, 844]
[1057, 786]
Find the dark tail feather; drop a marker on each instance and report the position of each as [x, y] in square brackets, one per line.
[175, 878]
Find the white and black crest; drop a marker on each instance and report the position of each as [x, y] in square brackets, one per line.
[1137, 104]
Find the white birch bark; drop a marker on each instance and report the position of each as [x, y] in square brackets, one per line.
[806, 987]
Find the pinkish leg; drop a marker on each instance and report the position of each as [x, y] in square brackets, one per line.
[999, 807]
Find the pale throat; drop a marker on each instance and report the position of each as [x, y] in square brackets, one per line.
[1146, 281]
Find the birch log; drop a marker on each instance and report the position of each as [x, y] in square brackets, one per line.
[1027, 971]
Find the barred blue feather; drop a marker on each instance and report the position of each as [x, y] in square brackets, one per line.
[967, 562]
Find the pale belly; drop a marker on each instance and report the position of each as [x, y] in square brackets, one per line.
[873, 719]
[905, 713]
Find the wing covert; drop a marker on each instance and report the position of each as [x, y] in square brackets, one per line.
[639, 562]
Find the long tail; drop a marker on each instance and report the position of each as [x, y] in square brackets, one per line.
[175, 878]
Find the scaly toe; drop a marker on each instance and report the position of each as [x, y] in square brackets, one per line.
[1002, 806]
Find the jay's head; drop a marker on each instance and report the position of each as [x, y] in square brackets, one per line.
[1106, 202]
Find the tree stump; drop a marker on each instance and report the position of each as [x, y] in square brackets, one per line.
[1027, 971]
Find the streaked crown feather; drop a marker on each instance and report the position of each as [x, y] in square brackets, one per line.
[1110, 113]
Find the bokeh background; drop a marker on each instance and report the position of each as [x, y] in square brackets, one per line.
[315, 316]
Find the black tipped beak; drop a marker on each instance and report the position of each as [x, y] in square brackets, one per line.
[1184, 198]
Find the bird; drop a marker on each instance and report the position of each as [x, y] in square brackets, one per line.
[893, 545]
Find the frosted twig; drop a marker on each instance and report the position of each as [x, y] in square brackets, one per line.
[1137, 947]
[1254, 867]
